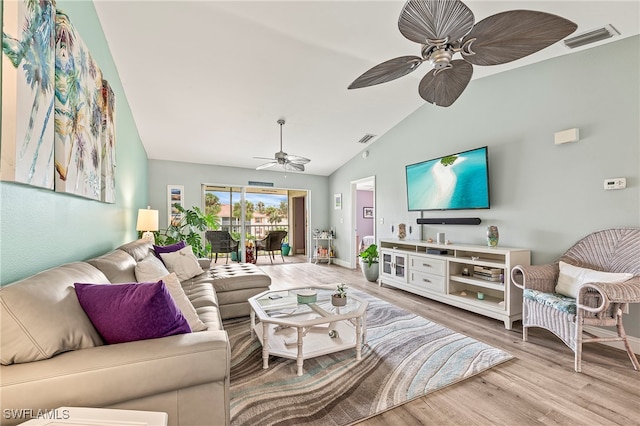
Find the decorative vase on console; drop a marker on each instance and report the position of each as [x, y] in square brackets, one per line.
[492, 236]
[402, 231]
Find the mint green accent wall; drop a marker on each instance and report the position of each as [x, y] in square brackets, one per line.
[193, 176]
[42, 229]
[544, 197]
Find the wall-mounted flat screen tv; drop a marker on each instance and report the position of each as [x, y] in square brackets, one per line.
[453, 182]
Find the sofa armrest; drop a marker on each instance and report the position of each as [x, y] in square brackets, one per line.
[536, 277]
[107, 375]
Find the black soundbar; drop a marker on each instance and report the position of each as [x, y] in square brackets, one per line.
[449, 221]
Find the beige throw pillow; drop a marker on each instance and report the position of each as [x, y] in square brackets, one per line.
[182, 301]
[150, 269]
[572, 277]
[183, 262]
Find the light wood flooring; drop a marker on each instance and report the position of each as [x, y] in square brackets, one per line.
[539, 386]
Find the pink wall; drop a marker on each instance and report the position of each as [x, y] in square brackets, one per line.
[364, 226]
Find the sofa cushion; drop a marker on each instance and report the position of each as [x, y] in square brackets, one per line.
[204, 300]
[183, 303]
[40, 316]
[183, 262]
[130, 312]
[572, 277]
[158, 250]
[138, 249]
[118, 266]
[150, 269]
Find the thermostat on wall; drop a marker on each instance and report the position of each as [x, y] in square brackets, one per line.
[615, 183]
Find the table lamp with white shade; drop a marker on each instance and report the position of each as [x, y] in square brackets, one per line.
[147, 223]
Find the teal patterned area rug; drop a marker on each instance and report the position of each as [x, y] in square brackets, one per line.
[406, 357]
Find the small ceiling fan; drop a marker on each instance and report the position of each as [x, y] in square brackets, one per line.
[287, 161]
[446, 27]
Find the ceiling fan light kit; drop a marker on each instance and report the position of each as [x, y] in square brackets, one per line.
[445, 28]
[290, 163]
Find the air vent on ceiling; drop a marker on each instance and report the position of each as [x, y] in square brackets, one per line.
[366, 138]
[592, 36]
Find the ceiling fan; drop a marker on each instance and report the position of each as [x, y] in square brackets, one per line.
[287, 161]
[446, 27]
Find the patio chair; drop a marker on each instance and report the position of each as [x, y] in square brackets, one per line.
[271, 243]
[596, 266]
[221, 242]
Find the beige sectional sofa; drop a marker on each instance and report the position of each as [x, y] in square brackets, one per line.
[52, 355]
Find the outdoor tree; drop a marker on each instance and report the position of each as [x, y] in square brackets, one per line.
[212, 204]
[249, 209]
[284, 209]
[273, 215]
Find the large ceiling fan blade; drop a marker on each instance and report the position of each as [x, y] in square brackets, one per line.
[511, 35]
[264, 158]
[422, 20]
[297, 159]
[387, 71]
[443, 87]
[266, 165]
[295, 167]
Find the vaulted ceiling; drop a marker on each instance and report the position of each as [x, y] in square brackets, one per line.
[207, 80]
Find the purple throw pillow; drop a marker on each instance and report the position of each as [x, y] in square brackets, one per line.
[129, 312]
[168, 249]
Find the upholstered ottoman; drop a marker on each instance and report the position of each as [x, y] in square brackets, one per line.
[235, 284]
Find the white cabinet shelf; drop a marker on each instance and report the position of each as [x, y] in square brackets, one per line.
[448, 277]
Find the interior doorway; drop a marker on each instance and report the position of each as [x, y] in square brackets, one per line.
[363, 196]
[299, 224]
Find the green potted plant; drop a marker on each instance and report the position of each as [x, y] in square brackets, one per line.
[192, 223]
[369, 263]
[339, 298]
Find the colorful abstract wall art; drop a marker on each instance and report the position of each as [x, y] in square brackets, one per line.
[78, 114]
[58, 114]
[108, 144]
[28, 93]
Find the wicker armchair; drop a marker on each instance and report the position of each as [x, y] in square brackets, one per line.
[221, 242]
[597, 304]
[271, 243]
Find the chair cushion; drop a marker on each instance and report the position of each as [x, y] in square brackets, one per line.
[554, 300]
[572, 277]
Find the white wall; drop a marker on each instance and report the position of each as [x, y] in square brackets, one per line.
[543, 197]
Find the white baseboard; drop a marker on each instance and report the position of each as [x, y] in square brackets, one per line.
[602, 332]
[343, 263]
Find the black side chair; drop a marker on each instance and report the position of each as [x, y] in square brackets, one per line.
[221, 242]
[272, 243]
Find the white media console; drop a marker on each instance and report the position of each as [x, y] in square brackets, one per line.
[472, 277]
